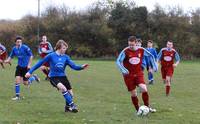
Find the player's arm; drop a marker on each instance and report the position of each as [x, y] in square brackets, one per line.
[39, 50]
[177, 58]
[2, 49]
[155, 54]
[37, 65]
[144, 63]
[151, 60]
[29, 52]
[50, 48]
[75, 66]
[160, 56]
[12, 54]
[119, 63]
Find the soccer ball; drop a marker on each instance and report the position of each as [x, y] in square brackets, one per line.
[44, 50]
[143, 110]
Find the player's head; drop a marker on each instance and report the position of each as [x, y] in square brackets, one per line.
[44, 38]
[132, 42]
[149, 43]
[18, 41]
[169, 44]
[139, 42]
[61, 46]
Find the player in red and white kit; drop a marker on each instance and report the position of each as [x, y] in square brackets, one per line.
[166, 58]
[44, 49]
[3, 55]
[129, 62]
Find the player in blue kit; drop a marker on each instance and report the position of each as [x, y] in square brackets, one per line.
[148, 64]
[58, 61]
[25, 56]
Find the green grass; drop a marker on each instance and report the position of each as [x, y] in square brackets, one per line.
[102, 98]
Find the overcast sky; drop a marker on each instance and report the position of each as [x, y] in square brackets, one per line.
[15, 9]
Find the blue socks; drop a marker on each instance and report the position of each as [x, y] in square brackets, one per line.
[17, 89]
[31, 79]
[68, 98]
[150, 76]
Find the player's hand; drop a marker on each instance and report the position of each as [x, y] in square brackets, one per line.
[85, 66]
[28, 67]
[6, 61]
[28, 75]
[174, 65]
[125, 73]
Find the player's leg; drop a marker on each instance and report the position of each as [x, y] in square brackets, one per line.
[169, 74]
[145, 95]
[1, 62]
[33, 78]
[56, 82]
[163, 73]
[29, 81]
[150, 75]
[134, 99]
[129, 81]
[168, 85]
[45, 70]
[67, 84]
[68, 97]
[18, 79]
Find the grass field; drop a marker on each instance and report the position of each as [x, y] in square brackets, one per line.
[102, 98]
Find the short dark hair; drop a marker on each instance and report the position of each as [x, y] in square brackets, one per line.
[18, 38]
[139, 40]
[170, 41]
[132, 38]
[150, 41]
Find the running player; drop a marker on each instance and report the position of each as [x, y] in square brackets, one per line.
[129, 62]
[58, 61]
[166, 58]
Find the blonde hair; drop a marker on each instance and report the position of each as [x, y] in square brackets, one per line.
[59, 44]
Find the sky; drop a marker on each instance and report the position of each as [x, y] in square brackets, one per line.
[16, 9]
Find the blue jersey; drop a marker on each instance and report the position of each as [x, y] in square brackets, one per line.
[57, 64]
[153, 52]
[23, 53]
[146, 62]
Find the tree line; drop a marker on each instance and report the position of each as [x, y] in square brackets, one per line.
[102, 29]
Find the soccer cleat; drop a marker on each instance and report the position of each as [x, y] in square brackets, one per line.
[67, 108]
[151, 82]
[138, 113]
[15, 98]
[152, 110]
[47, 78]
[73, 108]
[36, 78]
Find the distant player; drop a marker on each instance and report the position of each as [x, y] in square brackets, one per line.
[58, 61]
[148, 64]
[25, 56]
[44, 49]
[139, 42]
[3, 55]
[129, 62]
[166, 58]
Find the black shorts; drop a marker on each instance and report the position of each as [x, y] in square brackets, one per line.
[21, 71]
[55, 80]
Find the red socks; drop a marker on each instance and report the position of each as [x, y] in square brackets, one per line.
[135, 102]
[167, 90]
[145, 98]
[46, 72]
